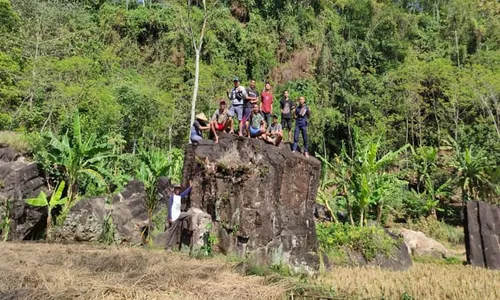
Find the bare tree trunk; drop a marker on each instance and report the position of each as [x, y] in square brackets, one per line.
[195, 88]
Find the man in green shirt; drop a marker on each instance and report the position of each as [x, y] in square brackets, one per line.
[256, 125]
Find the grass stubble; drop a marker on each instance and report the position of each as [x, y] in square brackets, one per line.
[78, 271]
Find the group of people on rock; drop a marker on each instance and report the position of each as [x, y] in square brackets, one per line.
[254, 113]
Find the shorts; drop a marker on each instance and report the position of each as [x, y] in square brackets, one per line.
[196, 138]
[286, 123]
[238, 110]
[254, 132]
[220, 127]
[247, 112]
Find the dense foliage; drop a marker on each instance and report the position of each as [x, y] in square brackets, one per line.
[421, 76]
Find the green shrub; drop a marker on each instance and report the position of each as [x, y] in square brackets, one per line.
[369, 240]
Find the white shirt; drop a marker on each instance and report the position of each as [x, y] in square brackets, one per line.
[176, 207]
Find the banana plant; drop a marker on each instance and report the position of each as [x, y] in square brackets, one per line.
[55, 199]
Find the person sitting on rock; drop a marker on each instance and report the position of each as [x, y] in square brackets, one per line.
[199, 125]
[220, 120]
[175, 215]
[256, 125]
[274, 133]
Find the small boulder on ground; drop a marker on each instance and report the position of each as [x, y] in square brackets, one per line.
[421, 245]
[85, 220]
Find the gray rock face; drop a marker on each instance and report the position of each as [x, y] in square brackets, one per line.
[260, 197]
[85, 220]
[482, 234]
[20, 180]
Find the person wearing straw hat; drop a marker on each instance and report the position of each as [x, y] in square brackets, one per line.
[199, 125]
[220, 120]
[175, 215]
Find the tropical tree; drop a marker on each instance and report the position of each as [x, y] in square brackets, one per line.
[55, 199]
[155, 163]
[77, 157]
[369, 179]
[477, 174]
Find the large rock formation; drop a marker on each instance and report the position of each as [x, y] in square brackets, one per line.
[261, 198]
[85, 220]
[20, 180]
[421, 245]
[482, 234]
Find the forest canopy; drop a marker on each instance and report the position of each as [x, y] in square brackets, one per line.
[396, 72]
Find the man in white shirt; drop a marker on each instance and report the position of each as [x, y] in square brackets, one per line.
[175, 215]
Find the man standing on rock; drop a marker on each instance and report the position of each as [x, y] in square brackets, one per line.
[287, 107]
[237, 96]
[252, 98]
[266, 104]
[301, 114]
[175, 215]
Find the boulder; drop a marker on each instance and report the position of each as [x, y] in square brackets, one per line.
[399, 260]
[420, 245]
[20, 180]
[260, 198]
[482, 234]
[85, 220]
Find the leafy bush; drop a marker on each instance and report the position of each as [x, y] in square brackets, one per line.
[14, 140]
[369, 240]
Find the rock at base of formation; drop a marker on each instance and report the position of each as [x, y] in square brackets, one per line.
[260, 198]
[85, 220]
[20, 180]
[421, 245]
[482, 234]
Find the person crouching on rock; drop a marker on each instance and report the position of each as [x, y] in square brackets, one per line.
[199, 125]
[175, 215]
[256, 125]
[220, 120]
[274, 133]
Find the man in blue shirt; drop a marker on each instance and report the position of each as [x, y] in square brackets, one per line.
[175, 215]
[301, 115]
[237, 96]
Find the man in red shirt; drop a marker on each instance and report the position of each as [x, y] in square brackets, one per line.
[266, 104]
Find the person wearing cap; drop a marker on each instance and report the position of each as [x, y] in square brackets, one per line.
[237, 96]
[175, 215]
[252, 98]
[302, 113]
[256, 124]
[274, 133]
[199, 125]
[220, 120]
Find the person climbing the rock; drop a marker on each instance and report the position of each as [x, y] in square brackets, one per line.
[175, 215]
[252, 98]
[302, 113]
[220, 120]
[237, 96]
[199, 125]
[266, 104]
[287, 107]
[274, 133]
[256, 124]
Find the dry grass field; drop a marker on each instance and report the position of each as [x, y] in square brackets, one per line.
[51, 271]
